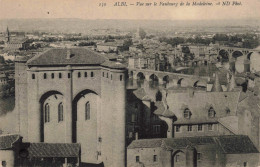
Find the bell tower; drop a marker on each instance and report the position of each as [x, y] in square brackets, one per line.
[7, 35]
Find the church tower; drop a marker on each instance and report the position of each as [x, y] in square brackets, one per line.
[7, 35]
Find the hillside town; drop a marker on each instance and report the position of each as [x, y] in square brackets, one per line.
[130, 98]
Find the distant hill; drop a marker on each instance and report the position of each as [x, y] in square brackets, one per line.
[84, 26]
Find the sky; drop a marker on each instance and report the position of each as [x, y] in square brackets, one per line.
[90, 9]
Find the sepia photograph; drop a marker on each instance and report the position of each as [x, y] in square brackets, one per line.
[133, 83]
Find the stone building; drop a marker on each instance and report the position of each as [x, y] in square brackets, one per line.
[206, 151]
[15, 42]
[222, 127]
[68, 96]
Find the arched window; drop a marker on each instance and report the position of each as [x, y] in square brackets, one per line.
[87, 111]
[187, 113]
[46, 113]
[79, 74]
[60, 112]
[211, 113]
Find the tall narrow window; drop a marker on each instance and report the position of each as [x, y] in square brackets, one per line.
[154, 158]
[52, 75]
[60, 75]
[137, 159]
[121, 77]
[210, 127]
[177, 158]
[133, 118]
[47, 113]
[92, 74]
[85, 74]
[198, 156]
[103, 74]
[3, 163]
[107, 75]
[189, 128]
[200, 127]
[178, 128]
[44, 76]
[79, 74]
[111, 77]
[68, 75]
[87, 111]
[60, 112]
[33, 76]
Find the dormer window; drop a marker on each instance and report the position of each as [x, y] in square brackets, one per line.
[187, 113]
[211, 112]
[227, 111]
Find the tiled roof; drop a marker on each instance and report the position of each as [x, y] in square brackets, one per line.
[114, 65]
[236, 144]
[54, 150]
[7, 141]
[162, 110]
[23, 58]
[145, 143]
[218, 100]
[58, 56]
[140, 93]
[230, 144]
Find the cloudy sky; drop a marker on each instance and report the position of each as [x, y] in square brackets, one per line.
[89, 9]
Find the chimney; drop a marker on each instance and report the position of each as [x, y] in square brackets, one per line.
[68, 54]
[136, 136]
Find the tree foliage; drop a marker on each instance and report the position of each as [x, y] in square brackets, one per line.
[142, 33]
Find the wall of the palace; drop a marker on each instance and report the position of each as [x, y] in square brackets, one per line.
[107, 137]
[54, 131]
[21, 99]
[241, 160]
[113, 94]
[146, 157]
[87, 129]
[8, 157]
[218, 129]
[68, 87]
[187, 157]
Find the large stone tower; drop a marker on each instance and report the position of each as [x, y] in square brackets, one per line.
[113, 92]
[73, 96]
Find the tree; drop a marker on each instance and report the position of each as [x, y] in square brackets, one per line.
[126, 44]
[2, 60]
[142, 33]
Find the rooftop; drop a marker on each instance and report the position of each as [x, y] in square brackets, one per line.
[230, 144]
[53, 149]
[59, 56]
[7, 141]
